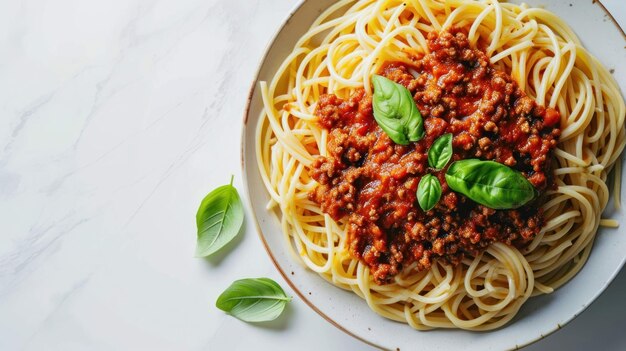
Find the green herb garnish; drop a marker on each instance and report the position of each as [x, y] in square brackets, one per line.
[253, 300]
[440, 152]
[490, 183]
[395, 111]
[428, 192]
[219, 219]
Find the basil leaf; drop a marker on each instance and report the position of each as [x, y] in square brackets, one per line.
[253, 300]
[489, 183]
[428, 192]
[219, 219]
[440, 152]
[395, 111]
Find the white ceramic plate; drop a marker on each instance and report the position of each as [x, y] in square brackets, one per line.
[540, 316]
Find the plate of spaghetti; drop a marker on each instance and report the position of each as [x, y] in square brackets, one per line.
[441, 173]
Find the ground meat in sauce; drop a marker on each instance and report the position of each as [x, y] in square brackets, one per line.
[369, 180]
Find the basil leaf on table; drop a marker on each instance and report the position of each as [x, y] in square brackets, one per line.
[440, 152]
[395, 111]
[490, 183]
[253, 300]
[219, 219]
[428, 192]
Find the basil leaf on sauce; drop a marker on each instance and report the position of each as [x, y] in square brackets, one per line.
[440, 152]
[219, 219]
[395, 111]
[253, 300]
[428, 192]
[490, 183]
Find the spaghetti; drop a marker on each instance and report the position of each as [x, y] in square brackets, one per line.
[350, 42]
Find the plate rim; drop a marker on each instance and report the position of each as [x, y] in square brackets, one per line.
[246, 113]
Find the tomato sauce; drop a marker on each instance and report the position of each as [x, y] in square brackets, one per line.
[371, 182]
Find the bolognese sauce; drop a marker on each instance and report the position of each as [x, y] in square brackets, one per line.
[371, 182]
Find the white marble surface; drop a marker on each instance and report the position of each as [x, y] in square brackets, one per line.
[116, 118]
